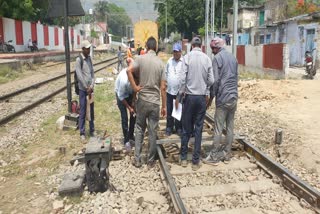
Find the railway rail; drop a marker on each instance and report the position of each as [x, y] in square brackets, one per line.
[24, 98]
[251, 180]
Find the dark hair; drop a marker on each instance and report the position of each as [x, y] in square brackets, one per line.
[152, 43]
[119, 47]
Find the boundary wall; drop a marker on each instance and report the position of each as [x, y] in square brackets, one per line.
[48, 37]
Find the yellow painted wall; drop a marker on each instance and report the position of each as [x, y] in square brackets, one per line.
[143, 30]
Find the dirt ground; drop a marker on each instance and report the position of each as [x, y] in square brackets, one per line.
[296, 106]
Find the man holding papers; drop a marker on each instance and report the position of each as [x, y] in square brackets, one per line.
[196, 81]
[173, 74]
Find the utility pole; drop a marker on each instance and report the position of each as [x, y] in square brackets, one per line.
[221, 19]
[166, 20]
[235, 28]
[212, 18]
[207, 27]
[67, 53]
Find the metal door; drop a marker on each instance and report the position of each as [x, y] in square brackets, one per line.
[310, 39]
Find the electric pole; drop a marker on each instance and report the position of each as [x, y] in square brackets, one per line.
[235, 28]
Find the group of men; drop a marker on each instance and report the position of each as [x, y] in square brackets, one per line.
[194, 80]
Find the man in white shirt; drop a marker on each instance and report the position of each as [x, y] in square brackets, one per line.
[124, 95]
[173, 74]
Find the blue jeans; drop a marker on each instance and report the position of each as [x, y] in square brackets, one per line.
[171, 121]
[127, 133]
[193, 113]
[83, 110]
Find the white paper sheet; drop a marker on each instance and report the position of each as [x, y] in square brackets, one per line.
[176, 113]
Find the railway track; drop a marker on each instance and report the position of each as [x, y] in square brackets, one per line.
[250, 183]
[15, 103]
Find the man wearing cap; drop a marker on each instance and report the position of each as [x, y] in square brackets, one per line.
[197, 78]
[225, 90]
[149, 68]
[124, 96]
[85, 75]
[173, 74]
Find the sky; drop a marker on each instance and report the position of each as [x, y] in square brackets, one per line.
[136, 9]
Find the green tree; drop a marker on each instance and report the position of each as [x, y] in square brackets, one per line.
[116, 17]
[17, 9]
[188, 16]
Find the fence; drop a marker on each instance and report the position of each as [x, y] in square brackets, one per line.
[271, 59]
[48, 37]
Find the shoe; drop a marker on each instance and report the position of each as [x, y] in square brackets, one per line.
[132, 142]
[184, 163]
[128, 147]
[82, 137]
[137, 164]
[227, 159]
[211, 161]
[179, 132]
[93, 134]
[168, 132]
[196, 166]
[151, 164]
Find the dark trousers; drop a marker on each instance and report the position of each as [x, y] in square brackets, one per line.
[193, 113]
[127, 133]
[171, 121]
[83, 110]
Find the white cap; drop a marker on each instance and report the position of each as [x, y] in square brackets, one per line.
[85, 44]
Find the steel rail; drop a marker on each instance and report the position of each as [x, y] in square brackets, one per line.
[10, 117]
[290, 181]
[173, 191]
[36, 85]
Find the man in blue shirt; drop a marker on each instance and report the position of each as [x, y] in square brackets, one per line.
[124, 95]
[173, 74]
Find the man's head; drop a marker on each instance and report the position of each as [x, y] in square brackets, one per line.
[216, 44]
[152, 44]
[176, 51]
[119, 48]
[196, 42]
[85, 45]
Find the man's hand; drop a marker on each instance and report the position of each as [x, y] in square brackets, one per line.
[177, 104]
[89, 90]
[138, 88]
[131, 110]
[163, 112]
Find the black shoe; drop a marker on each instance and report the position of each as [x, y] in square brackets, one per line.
[93, 134]
[179, 132]
[168, 131]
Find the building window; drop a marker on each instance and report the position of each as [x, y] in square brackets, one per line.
[268, 39]
[261, 18]
[261, 39]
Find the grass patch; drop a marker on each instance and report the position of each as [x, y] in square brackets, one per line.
[7, 74]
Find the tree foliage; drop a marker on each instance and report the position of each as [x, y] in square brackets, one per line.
[17, 9]
[296, 8]
[188, 16]
[32, 10]
[116, 17]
